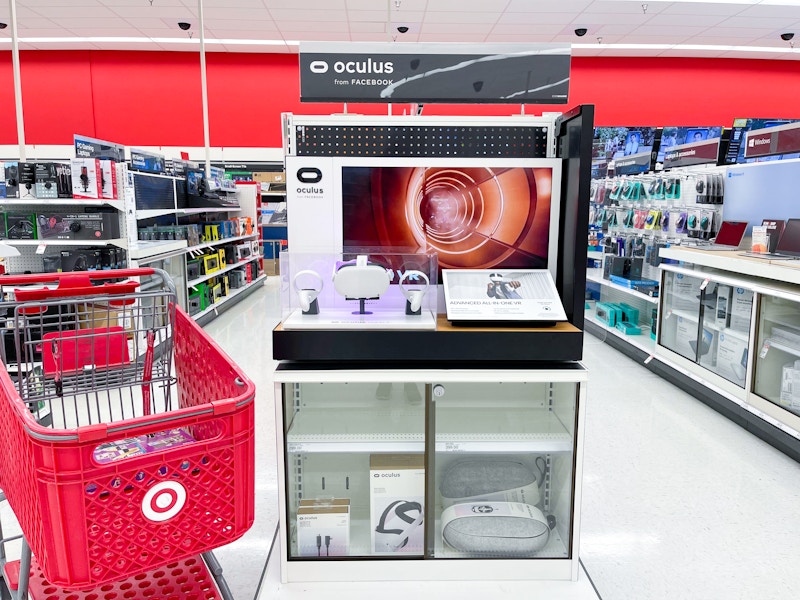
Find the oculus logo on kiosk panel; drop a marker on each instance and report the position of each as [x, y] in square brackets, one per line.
[434, 73]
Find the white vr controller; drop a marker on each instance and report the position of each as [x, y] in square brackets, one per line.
[308, 296]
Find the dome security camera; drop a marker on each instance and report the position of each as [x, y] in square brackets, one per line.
[402, 29]
[581, 31]
[3, 25]
[184, 25]
[787, 36]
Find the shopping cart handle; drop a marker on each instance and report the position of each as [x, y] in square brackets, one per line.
[78, 283]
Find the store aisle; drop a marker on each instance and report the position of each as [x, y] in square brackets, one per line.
[678, 502]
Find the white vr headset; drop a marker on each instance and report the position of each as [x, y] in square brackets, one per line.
[398, 522]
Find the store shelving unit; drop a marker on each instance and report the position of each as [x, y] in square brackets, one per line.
[172, 255]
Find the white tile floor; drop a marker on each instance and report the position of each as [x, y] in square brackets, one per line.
[678, 502]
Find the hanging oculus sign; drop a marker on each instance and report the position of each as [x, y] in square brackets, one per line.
[529, 74]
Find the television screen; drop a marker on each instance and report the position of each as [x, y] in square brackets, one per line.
[739, 134]
[473, 216]
[612, 143]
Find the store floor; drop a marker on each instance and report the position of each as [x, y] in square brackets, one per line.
[678, 502]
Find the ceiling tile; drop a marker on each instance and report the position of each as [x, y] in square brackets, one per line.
[525, 28]
[738, 33]
[244, 34]
[446, 17]
[311, 35]
[515, 18]
[703, 8]
[58, 12]
[134, 2]
[308, 4]
[758, 23]
[239, 14]
[34, 4]
[452, 28]
[380, 15]
[464, 6]
[362, 36]
[308, 15]
[530, 38]
[38, 24]
[656, 30]
[681, 20]
[611, 7]
[784, 11]
[367, 27]
[319, 26]
[267, 27]
[147, 23]
[451, 38]
[76, 22]
[252, 4]
[419, 5]
[156, 12]
[570, 7]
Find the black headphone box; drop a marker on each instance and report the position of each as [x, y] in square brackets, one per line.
[78, 226]
[80, 259]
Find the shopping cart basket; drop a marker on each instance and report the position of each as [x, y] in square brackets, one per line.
[127, 437]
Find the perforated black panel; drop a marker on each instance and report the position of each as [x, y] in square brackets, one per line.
[430, 141]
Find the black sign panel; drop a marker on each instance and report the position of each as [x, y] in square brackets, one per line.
[633, 164]
[698, 153]
[86, 147]
[436, 73]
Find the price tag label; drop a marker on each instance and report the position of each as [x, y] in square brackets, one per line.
[295, 448]
[764, 350]
[668, 315]
[452, 447]
[648, 359]
[41, 248]
[704, 285]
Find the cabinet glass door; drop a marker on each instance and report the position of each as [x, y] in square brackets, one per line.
[727, 314]
[680, 316]
[777, 367]
[355, 475]
[502, 466]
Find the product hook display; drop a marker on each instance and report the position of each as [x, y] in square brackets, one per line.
[414, 296]
[308, 296]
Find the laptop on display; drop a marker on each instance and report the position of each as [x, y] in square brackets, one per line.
[788, 247]
[729, 236]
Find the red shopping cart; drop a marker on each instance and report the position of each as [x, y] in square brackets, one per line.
[127, 438]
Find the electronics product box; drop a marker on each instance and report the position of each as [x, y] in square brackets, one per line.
[722, 314]
[9, 173]
[27, 179]
[86, 174]
[20, 226]
[686, 337]
[397, 498]
[45, 181]
[323, 527]
[108, 180]
[608, 313]
[741, 309]
[78, 226]
[685, 292]
[790, 386]
[732, 357]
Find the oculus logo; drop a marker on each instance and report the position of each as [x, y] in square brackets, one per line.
[318, 66]
[309, 175]
[482, 509]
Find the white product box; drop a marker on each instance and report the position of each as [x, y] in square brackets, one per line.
[108, 180]
[722, 314]
[741, 309]
[323, 527]
[707, 354]
[732, 358]
[685, 337]
[397, 503]
[790, 385]
[685, 292]
[86, 178]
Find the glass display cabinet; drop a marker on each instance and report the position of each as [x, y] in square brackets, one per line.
[405, 467]
[707, 320]
[776, 376]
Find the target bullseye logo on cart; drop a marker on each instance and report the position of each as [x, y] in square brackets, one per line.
[163, 501]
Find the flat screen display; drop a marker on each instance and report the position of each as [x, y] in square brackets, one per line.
[676, 136]
[736, 148]
[612, 143]
[789, 242]
[472, 216]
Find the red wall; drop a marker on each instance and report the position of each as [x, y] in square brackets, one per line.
[153, 98]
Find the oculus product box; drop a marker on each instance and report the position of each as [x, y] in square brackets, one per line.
[86, 175]
[78, 226]
[397, 497]
[323, 527]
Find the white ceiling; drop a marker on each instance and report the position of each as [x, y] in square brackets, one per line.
[737, 28]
